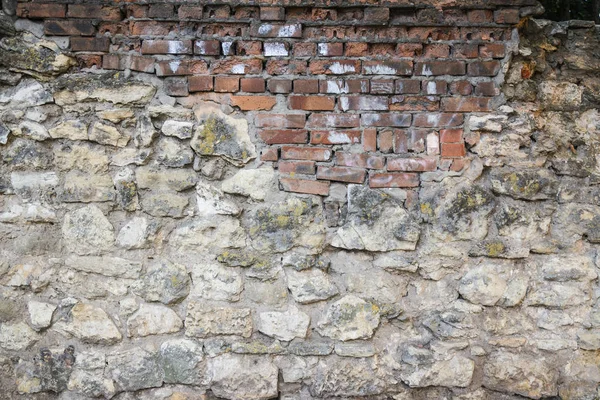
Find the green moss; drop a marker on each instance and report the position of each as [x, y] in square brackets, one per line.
[495, 249]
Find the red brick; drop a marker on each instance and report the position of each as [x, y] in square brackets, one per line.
[207, 47]
[386, 141]
[506, 16]
[89, 60]
[333, 120]
[100, 44]
[200, 83]
[458, 164]
[486, 89]
[227, 84]
[435, 68]
[484, 68]
[480, 16]
[393, 180]
[176, 86]
[181, 67]
[461, 51]
[41, 10]
[421, 164]
[335, 49]
[141, 64]
[492, 50]
[381, 50]
[341, 174]
[487, 34]
[306, 153]
[251, 103]
[305, 49]
[338, 86]
[136, 11]
[359, 160]
[237, 66]
[167, 47]
[451, 135]
[94, 11]
[312, 103]
[466, 104]
[382, 86]
[463, 88]
[387, 67]
[437, 120]
[408, 86]
[113, 61]
[284, 136]
[69, 28]
[217, 11]
[269, 154]
[272, 13]
[334, 67]
[356, 49]
[279, 86]
[335, 137]
[297, 167]
[150, 28]
[253, 85]
[369, 139]
[434, 87]
[323, 14]
[364, 103]
[305, 186]
[277, 30]
[376, 14]
[248, 48]
[190, 12]
[386, 119]
[280, 120]
[414, 103]
[121, 29]
[436, 50]
[409, 49]
[306, 86]
[453, 150]
[433, 33]
[161, 11]
[286, 67]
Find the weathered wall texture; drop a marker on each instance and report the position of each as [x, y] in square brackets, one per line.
[364, 199]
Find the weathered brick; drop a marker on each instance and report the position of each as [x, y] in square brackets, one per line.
[136, 11]
[312, 103]
[359, 160]
[434, 87]
[167, 47]
[506, 16]
[280, 120]
[409, 49]
[272, 13]
[286, 67]
[330, 49]
[335, 137]
[306, 86]
[112, 61]
[252, 85]
[466, 104]
[151, 28]
[41, 10]
[266, 30]
[89, 60]
[176, 86]
[305, 49]
[95, 11]
[284, 136]
[386, 119]
[237, 66]
[385, 141]
[408, 86]
[200, 83]
[414, 164]
[99, 44]
[486, 89]
[251, 103]
[141, 64]
[369, 139]
[433, 33]
[451, 135]
[382, 86]
[341, 174]
[297, 167]
[161, 10]
[120, 29]
[414, 103]
[207, 47]
[328, 120]
[393, 180]
[461, 51]
[492, 50]
[453, 150]
[324, 14]
[276, 49]
[364, 103]
[339, 86]
[356, 49]
[382, 50]
[387, 67]
[334, 67]
[69, 28]
[376, 14]
[437, 120]
[484, 68]
[480, 16]
[227, 84]
[436, 68]
[248, 48]
[485, 34]
[270, 154]
[181, 67]
[463, 88]
[279, 86]
[305, 186]
[306, 153]
[189, 12]
[436, 50]
[217, 11]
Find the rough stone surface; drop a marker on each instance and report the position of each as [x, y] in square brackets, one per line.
[87, 231]
[242, 377]
[202, 321]
[349, 318]
[153, 319]
[89, 324]
[284, 325]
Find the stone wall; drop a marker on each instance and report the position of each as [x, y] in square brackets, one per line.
[294, 200]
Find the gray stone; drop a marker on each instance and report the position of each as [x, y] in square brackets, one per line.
[84, 157]
[557, 95]
[87, 231]
[527, 185]
[26, 154]
[570, 268]
[254, 183]
[28, 183]
[165, 179]
[144, 132]
[310, 286]
[355, 349]
[237, 377]
[557, 295]
[284, 326]
[153, 319]
[349, 318]
[345, 378]
[135, 369]
[88, 377]
[589, 339]
[86, 188]
[424, 371]
[487, 123]
[218, 232]
[179, 129]
[129, 156]
[17, 337]
[203, 321]
[180, 359]
[310, 348]
[214, 282]
[165, 204]
[40, 314]
[134, 234]
[174, 154]
[27, 93]
[126, 187]
[482, 285]
[89, 324]
[70, 129]
[106, 134]
[32, 130]
[164, 281]
[301, 262]
[211, 201]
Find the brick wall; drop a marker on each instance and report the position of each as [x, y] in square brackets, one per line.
[360, 92]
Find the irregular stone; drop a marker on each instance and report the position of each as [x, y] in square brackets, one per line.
[83, 157]
[345, 378]
[86, 188]
[214, 282]
[174, 154]
[103, 88]
[180, 359]
[28, 183]
[172, 179]
[25, 154]
[32, 130]
[116, 115]
[212, 169]
[125, 184]
[526, 185]
[144, 132]
[28, 93]
[349, 318]
[487, 123]
[355, 349]
[296, 369]
[17, 337]
[28, 212]
[482, 285]
[203, 321]
[164, 281]
[87, 231]
[40, 314]
[420, 370]
[134, 369]
[206, 233]
[41, 59]
[211, 201]
[129, 156]
[179, 129]
[134, 234]
[4, 132]
[47, 373]
[255, 183]
[560, 95]
[284, 326]
[570, 268]
[301, 262]
[500, 248]
[22, 275]
[237, 377]
[396, 262]
[222, 135]
[557, 295]
[268, 292]
[310, 286]
[588, 339]
[257, 347]
[310, 348]
[90, 324]
[521, 374]
[70, 129]
[106, 134]
[88, 377]
[165, 204]
[153, 319]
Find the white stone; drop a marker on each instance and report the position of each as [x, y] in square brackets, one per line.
[40, 314]
[236, 377]
[349, 318]
[310, 286]
[134, 234]
[107, 266]
[212, 281]
[153, 319]
[211, 201]
[179, 129]
[17, 337]
[87, 231]
[482, 285]
[255, 183]
[90, 324]
[284, 325]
